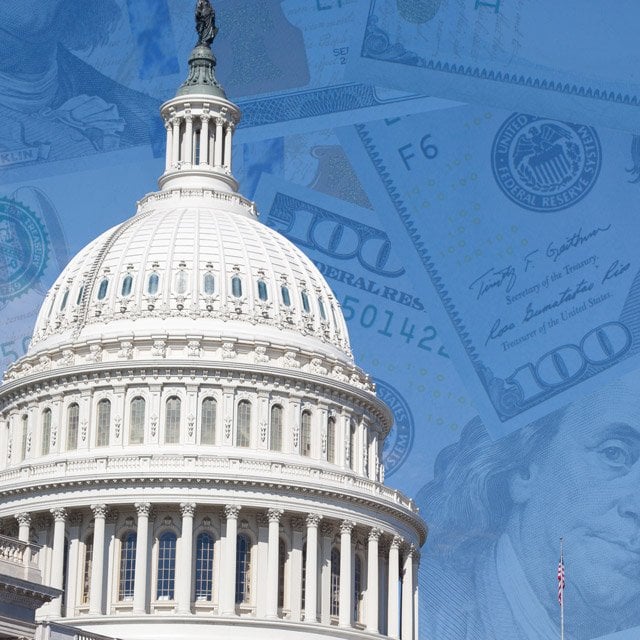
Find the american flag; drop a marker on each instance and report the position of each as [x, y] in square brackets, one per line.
[561, 581]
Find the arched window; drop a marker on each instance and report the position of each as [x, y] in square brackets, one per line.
[275, 441]
[182, 282]
[104, 423]
[128, 544]
[102, 290]
[172, 421]
[154, 283]
[136, 421]
[282, 558]
[243, 435]
[73, 416]
[209, 284]
[127, 285]
[305, 434]
[335, 582]
[23, 436]
[80, 294]
[86, 569]
[208, 422]
[358, 589]
[331, 439]
[236, 286]
[352, 444]
[305, 302]
[65, 297]
[323, 313]
[263, 293]
[204, 567]
[243, 569]
[166, 566]
[286, 296]
[46, 432]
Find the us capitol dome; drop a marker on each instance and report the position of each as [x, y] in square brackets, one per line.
[188, 442]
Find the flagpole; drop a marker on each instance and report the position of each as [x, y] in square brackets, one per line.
[562, 597]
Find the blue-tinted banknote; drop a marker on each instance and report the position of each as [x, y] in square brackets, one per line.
[521, 232]
[392, 336]
[496, 508]
[572, 60]
[86, 79]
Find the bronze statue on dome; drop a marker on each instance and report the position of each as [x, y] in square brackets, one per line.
[205, 23]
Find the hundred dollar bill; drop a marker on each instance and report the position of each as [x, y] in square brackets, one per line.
[87, 78]
[520, 232]
[392, 335]
[568, 60]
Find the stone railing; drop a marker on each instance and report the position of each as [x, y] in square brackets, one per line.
[204, 466]
[53, 631]
[19, 559]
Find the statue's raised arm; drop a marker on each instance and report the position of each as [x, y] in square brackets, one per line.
[206, 23]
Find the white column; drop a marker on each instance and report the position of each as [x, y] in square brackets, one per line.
[228, 140]
[188, 141]
[169, 127]
[186, 561]
[416, 596]
[261, 564]
[274, 516]
[372, 581]
[295, 573]
[393, 616]
[142, 550]
[97, 562]
[373, 456]
[175, 152]
[204, 139]
[218, 142]
[346, 613]
[228, 578]
[407, 595]
[75, 562]
[57, 559]
[24, 524]
[311, 581]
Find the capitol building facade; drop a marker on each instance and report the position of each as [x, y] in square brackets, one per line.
[188, 442]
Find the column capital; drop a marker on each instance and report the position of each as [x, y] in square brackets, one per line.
[274, 515]
[143, 508]
[59, 514]
[188, 509]
[24, 519]
[231, 511]
[220, 121]
[397, 542]
[313, 519]
[375, 534]
[99, 510]
[346, 526]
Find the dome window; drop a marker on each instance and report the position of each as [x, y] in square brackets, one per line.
[263, 294]
[182, 282]
[65, 298]
[209, 284]
[305, 302]
[154, 283]
[127, 285]
[102, 291]
[323, 312]
[80, 294]
[286, 297]
[236, 286]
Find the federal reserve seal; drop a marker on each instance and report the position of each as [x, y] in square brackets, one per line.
[545, 165]
[399, 442]
[23, 249]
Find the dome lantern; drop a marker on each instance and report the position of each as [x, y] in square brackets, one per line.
[200, 120]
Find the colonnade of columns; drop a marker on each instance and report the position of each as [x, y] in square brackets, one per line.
[388, 587]
[200, 139]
